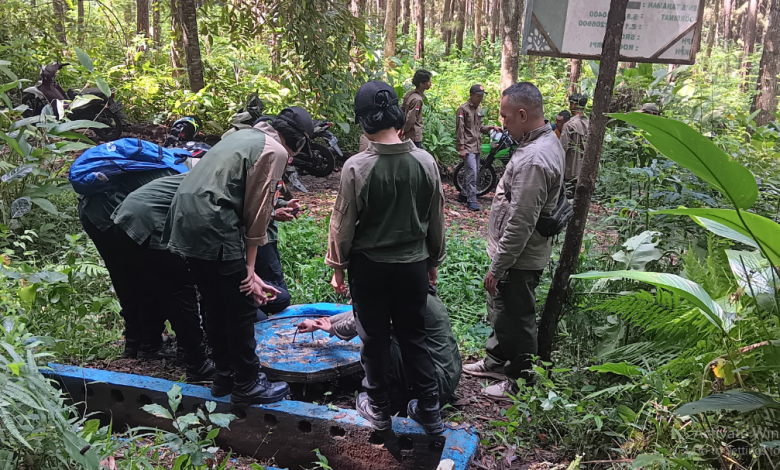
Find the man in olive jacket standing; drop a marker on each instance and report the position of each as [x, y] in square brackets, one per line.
[530, 186]
[412, 108]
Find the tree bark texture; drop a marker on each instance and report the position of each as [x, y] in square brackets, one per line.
[749, 35]
[575, 70]
[189, 20]
[419, 18]
[407, 16]
[495, 16]
[511, 10]
[461, 23]
[713, 32]
[142, 15]
[80, 20]
[766, 99]
[572, 245]
[478, 25]
[177, 38]
[390, 33]
[446, 25]
[59, 20]
[727, 14]
[156, 5]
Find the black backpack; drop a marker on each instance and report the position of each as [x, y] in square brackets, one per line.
[550, 225]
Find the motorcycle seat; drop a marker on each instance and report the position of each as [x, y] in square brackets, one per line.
[74, 92]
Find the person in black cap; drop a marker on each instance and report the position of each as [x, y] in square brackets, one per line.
[468, 127]
[218, 218]
[387, 229]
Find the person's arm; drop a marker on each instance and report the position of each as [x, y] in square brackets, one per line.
[344, 326]
[414, 108]
[436, 238]
[460, 127]
[565, 137]
[529, 195]
[342, 221]
[261, 181]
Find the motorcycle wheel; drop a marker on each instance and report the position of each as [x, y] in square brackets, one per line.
[487, 180]
[322, 159]
[34, 105]
[114, 123]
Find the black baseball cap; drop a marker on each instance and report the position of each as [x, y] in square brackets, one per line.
[374, 95]
[299, 119]
[477, 90]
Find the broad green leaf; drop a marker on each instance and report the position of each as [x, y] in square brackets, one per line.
[212, 434]
[689, 148]
[90, 428]
[157, 410]
[11, 142]
[640, 250]
[84, 59]
[174, 397]
[752, 271]
[17, 173]
[46, 205]
[27, 294]
[20, 207]
[648, 460]
[766, 231]
[4, 68]
[79, 124]
[221, 419]
[82, 100]
[344, 126]
[740, 401]
[626, 414]
[723, 231]
[620, 368]
[211, 406]
[103, 86]
[686, 289]
[50, 277]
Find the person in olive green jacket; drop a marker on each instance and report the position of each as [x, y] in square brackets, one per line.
[441, 343]
[573, 138]
[530, 186]
[412, 107]
[218, 218]
[387, 229]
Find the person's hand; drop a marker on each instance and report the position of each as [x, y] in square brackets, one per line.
[264, 293]
[498, 128]
[294, 204]
[491, 283]
[284, 214]
[462, 153]
[337, 281]
[433, 275]
[324, 324]
[246, 284]
[308, 326]
[401, 134]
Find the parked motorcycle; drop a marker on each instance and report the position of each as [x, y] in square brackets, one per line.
[247, 116]
[499, 149]
[319, 159]
[102, 108]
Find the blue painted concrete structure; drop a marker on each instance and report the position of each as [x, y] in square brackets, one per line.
[287, 431]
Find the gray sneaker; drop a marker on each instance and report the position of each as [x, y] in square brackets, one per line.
[478, 369]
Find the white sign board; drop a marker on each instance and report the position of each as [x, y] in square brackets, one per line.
[664, 32]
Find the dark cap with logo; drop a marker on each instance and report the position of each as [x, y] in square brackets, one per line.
[374, 96]
[299, 119]
[477, 90]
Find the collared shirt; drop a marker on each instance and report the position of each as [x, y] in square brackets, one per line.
[530, 185]
[142, 214]
[226, 201]
[573, 137]
[441, 342]
[412, 108]
[390, 207]
[363, 144]
[468, 126]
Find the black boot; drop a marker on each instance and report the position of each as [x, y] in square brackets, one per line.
[376, 412]
[131, 349]
[427, 415]
[151, 353]
[258, 391]
[201, 373]
[222, 385]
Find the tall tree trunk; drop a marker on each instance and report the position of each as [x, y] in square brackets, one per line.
[766, 99]
[749, 37]
[407, 16]
[510, 40]
[80, 20]
[59, 20]
[156, 5]
[419, 18]
[177, 38]
[495, 15]
[712, 33]
[727, 13]
[575, 69]
[189, 20]
[390, 33]
[461, 23]
[572, 245]
[142, 15]
[478, 26]
[446, 25]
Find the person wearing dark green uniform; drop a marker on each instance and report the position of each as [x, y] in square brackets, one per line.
[166, 282]
[143, 327]
[387, 229]
[218, 218]
[441, 344]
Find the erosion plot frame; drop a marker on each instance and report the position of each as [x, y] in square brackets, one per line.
[655, 32]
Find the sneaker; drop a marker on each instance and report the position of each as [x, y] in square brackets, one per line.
[478, 369]
[258, 392]
[203, 373]
[378, 416]
[222, 385]
[462, 198]
[430, 419]
[499, 391]
[474, 206]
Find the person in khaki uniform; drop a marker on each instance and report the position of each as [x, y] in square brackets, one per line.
[387, 229]
[219, 216]
[529, 187]
[468, 127]
[573, 137]
[412, 108]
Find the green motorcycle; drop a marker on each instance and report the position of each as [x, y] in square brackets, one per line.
[499, 149]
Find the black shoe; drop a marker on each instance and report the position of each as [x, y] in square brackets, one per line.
[131, 349]
[429, 417]
[258, 392]
[462, 198]
[157, 353]
[222, 385]
[203, 373]
[473, 206]
[378, 416]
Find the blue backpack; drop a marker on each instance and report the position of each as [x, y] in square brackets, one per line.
[95, 170]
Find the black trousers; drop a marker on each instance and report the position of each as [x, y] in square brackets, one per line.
[229, 316]
[166, 291]
[268, 265]
[382, 292]
[128, 287]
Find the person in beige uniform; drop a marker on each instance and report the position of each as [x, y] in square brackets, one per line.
[573, 136]
[412, 108]
[529, 187]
